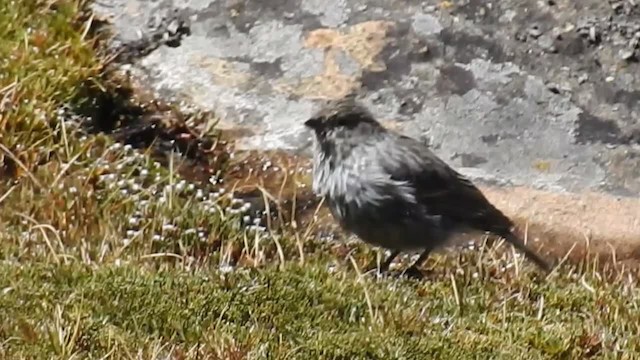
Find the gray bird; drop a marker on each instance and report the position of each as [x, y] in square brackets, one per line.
[393, 192]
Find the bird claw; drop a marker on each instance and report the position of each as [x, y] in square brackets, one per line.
[374, 270]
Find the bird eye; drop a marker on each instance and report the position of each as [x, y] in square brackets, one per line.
[344, 122]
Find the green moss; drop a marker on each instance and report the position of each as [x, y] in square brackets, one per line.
[308, 312]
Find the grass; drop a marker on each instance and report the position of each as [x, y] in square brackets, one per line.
[104, 253]
[303, 312]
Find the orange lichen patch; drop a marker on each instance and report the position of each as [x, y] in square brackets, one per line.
[224, 72]
[331, 84]
[445, 5]
[542, 166]
[362, 42]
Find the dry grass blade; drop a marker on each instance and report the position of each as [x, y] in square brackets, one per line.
[41, 228]
[372, 314]
[67, 166]
[7, 193]
[540, 308]
[265, 198]
[456, 294]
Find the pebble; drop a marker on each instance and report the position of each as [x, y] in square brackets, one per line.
[593, 34]
[554, 88]
[617, 5]
[546, 43]
[627, 54]
[173, 26]
[535, 31]
[521, 36]
[429, 8]
[583, 78]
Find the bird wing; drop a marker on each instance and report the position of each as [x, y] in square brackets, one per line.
[442, 190]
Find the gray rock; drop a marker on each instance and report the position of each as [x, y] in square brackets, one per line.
[264, 66]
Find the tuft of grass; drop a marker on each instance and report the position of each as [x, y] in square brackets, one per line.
[45, 55]
[105, 253]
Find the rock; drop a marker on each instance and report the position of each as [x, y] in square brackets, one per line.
[464, 82]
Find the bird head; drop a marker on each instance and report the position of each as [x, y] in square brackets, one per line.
[341, 118]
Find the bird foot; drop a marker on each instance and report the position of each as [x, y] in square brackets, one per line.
[413, 273]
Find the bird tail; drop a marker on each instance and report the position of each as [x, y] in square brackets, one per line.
[530, 254]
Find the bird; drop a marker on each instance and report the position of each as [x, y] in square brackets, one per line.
[392, 191]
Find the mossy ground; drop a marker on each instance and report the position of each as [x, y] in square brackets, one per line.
[106, 254]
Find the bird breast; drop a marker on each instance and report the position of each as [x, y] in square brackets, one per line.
[357, 182]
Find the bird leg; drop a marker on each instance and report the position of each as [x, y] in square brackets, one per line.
[413, 271]
[490, 241]
[385, 265]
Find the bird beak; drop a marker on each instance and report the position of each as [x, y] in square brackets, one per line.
[313, 123]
